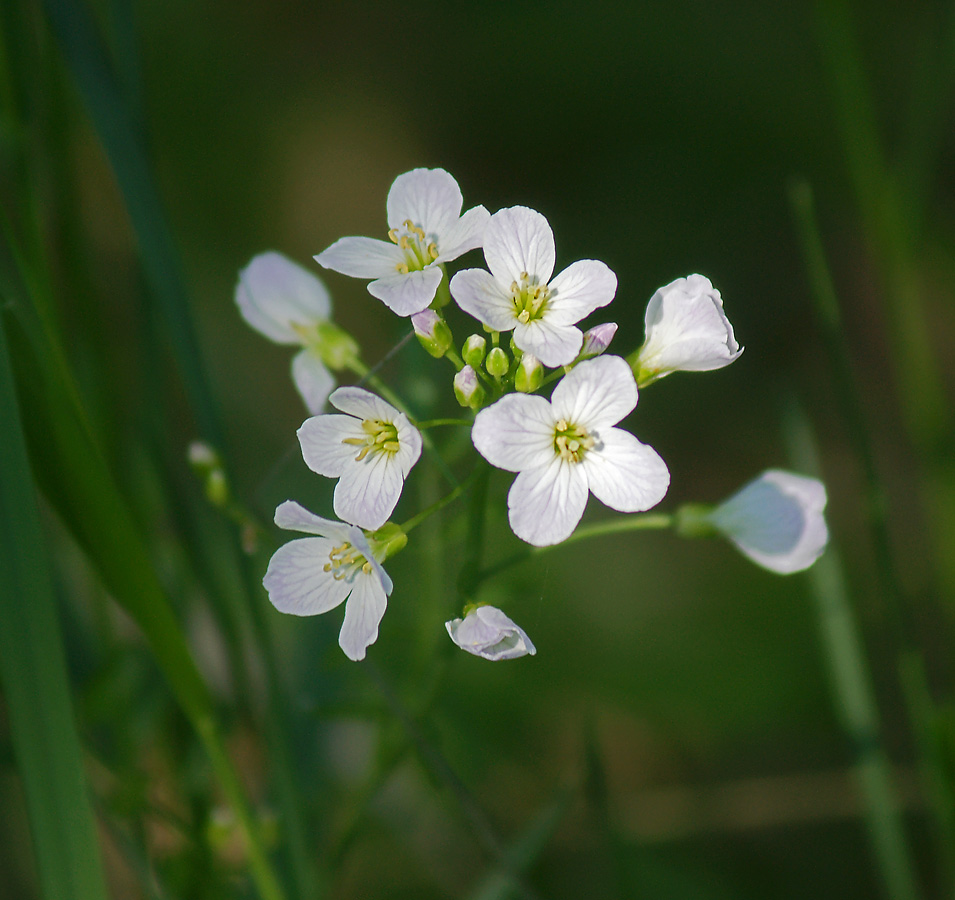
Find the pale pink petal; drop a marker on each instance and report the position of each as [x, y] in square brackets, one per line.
[293, 517]
[362, 257]
[407, 294]
[554, 345]
[428, 198]
[362, 404]
[623, 473]
[368, 490]
[489, 633]
[323, 443]
[297, 582]
[518, 240]
[478, 292]
[596, 392]
[313, 381]
[363, 614]
[545, 504]
[515, 433]
[465, 234]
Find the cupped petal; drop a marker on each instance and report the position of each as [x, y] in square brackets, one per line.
[776, 520]
[323, 441]
[363, 614]
[428, 198]
[293, 516]
[480, 294]
[554, 345]
[312, 380]
[489, 633]
[297, 582]
[274, 294]
[580, 289]
[518, 240]
[623, 473]
[465, 234]
[596, 393]
[515, 433]
[407, 294]
[545, 504]
[362, 404]
[368, 490]
[362, 257]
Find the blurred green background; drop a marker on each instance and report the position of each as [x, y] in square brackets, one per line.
[678, 716]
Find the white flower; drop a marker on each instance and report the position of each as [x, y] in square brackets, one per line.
[518, 293]
[310, 576]
[370, 450]
[687, 331]
[426, 229]
[290, 305]
[776, 520]
[566, 447]
[486, 631]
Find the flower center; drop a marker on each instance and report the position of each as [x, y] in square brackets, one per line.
[380, 437]
[344, 563]
[418, 251]
[571, 441]
[529, 298]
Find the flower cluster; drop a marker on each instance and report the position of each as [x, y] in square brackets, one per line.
[564, 443]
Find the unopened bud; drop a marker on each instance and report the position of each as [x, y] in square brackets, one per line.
[473, 350]
[597, 340]
[432, 332]
[529, 374]
[497, 362]
[467, 388]
[208, 467]
[389, 538]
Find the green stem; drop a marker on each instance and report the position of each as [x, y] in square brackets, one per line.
[434, 423]
[416, 520]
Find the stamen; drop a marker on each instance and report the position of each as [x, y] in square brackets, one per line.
[433, 250]
[393, 235]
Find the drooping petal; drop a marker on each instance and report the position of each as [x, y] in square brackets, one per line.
[518, 240]
[580, 289]
[480, 294]
[407, 294]
[313, 381]
[363, 613]
[368, 490]
[465, 234]
[297, 582]
[554, 345]
[274, 293]
[776, 520]
[362, 404]
[428, 198]
[545, 504]
[294, 517]
[515, 433]
[323, 441]
[624, 473]
[361, 257]
[596, 393]
[490, 634]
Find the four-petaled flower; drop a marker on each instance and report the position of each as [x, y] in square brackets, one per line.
[426, 229]
[518, 293]
[370, 449]
[566, 447]
[485, 631]
[310, 576]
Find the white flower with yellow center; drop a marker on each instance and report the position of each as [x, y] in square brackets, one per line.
[567, 447]
[370, 449]
[310, 576]
[426, 229]
[519, 294]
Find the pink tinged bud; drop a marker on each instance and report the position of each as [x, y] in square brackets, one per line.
[432, 332]
[598, 339]
[467, 388]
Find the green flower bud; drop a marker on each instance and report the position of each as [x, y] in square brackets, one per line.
[497, 362]
[473, 350]
[336, 347]
[390, 538]
[432, 332]
[468, 390]
[529, 375]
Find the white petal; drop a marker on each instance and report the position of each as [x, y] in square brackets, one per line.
[545, 504]
[515, 433]
[313, 381]
[322, 439]
[777, 520]
[579, 290]
[297, 582]
[465, 234]
[363, 613]
[430, 198]
[409, 443]
[623, 473]
[362, 404]
[488, 633]
[368, 490]
[407, 294]
[361, 257]
[275, 293]
[478, 292]
[596, 393]
[554, 345]
[519, 240]
[293, 517]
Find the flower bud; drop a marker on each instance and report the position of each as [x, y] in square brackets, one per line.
[486, 632]
[597, 339]
[208, 467]
[473, 350]
[432, 332]
[467, 389]
[529, 375]
[387, 541]
[497, 362]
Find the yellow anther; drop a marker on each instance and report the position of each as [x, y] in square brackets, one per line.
[514, 288]
[391, 446]
[403, 268]
[363, 454]
[561, 425]
[358, 442]
[403, 242]
[523, 317]
[393, 236]
[433, 250]
[524, 276]
[418, 231]
[327, 567]
[366, 568]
